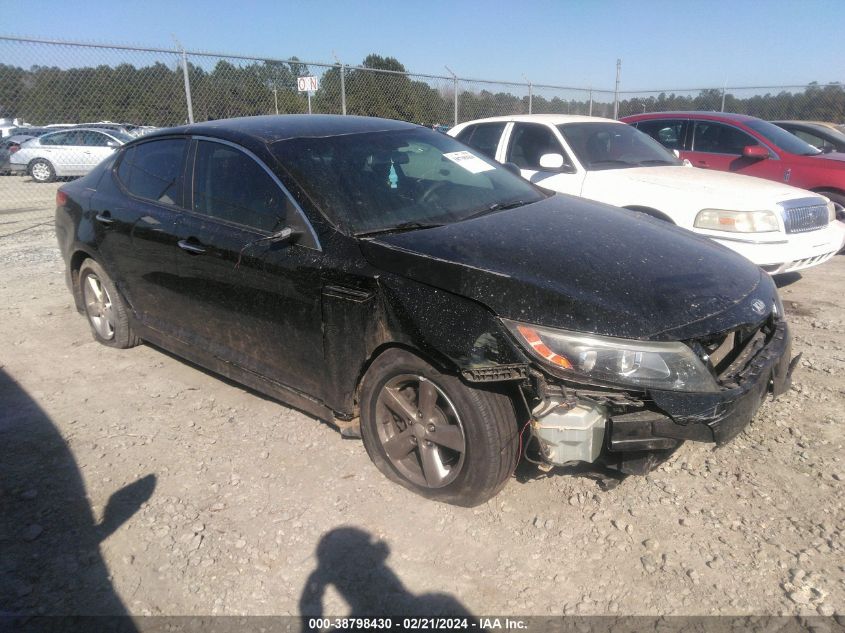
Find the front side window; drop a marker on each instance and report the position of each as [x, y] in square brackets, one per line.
[602, 145]
[484, 137]
[669, 133]
[153, 170]
[718, 138]
[94, 139]
[231, 186]
[399, 180]
[781, 138]
[529, 141]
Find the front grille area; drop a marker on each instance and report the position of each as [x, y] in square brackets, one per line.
[803, 219]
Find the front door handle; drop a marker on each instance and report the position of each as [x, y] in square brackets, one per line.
[104, 217]
[191, 247]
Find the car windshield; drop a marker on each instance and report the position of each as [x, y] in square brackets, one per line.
[399, 180]
[787, 141]
[605, 145]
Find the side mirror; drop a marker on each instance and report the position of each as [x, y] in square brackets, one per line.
[112, 144]
[551, 161]
[676, 153]
[756, 152]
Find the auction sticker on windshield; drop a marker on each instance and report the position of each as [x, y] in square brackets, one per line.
[469, 161]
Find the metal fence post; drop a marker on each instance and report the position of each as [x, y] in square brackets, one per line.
[187, 87]
[616, 91]
[342, 83]
[530, 95]
[343, 89]
[455, 87]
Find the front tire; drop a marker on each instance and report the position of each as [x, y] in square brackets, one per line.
[42, 170]
[435, 435]
[104, 308]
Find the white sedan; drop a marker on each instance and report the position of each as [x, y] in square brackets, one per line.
[68, 152]
[778, 227]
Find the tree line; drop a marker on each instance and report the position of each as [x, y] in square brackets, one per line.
[155, 95]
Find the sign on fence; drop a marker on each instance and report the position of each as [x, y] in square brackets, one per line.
[306, 84]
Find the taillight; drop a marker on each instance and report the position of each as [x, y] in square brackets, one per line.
[14, 148]
[61, 198]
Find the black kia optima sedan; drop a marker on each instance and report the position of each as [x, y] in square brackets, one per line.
[384, 277]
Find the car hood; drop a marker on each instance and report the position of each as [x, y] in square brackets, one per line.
[687, 185]
[585, 266]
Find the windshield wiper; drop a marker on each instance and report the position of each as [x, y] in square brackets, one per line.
[611, 162]
[402, 226]
[656, 161]
[496, 206]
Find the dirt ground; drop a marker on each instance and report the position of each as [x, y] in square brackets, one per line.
[131, 481]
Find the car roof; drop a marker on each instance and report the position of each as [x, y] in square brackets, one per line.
[693, 114]
[549, 119]
[273, 128]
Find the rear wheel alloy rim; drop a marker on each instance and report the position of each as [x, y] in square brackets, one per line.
[420, 431]
[98, 306]
[40, 171]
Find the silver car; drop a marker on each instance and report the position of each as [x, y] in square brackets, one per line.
[70, 152]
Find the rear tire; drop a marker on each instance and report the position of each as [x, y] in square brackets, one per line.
[104, 308]
[42, 170]
[433, 434]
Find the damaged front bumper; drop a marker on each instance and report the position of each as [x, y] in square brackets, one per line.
[632, 439]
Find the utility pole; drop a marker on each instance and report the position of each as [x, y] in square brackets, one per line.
[455, 87]
[724, 89]
[276, 98]
[590, 111]
[616, 92]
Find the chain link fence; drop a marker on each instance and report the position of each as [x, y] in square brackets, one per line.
[114, 89]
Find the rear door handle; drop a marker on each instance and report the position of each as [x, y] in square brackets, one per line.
[191, 247]
[104, 217]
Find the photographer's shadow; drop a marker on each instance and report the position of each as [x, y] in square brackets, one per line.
[354, 563]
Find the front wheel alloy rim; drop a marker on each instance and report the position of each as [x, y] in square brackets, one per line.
[40, 171]
[98, 306]
[420, 431]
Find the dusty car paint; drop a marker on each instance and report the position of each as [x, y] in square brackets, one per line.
[563, 262]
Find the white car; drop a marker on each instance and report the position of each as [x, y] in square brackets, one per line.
[68, 152]
[778, 227]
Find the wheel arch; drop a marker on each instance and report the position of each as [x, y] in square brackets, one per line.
[74, 264]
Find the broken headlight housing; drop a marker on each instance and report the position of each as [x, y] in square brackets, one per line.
[737, 221]
[648, 364]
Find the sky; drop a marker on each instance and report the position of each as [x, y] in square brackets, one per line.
[663, 45]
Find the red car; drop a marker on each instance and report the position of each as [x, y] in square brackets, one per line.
[746, 145]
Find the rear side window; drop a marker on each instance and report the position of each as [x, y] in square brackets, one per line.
[152, 170]
[229, 185]
[669, 133]
[718, 138]
[484, 137]
[529, 142]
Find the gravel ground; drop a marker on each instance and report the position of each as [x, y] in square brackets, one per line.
[131, 481]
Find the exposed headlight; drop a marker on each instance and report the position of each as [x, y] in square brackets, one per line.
[737, 221]
[671, 366]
